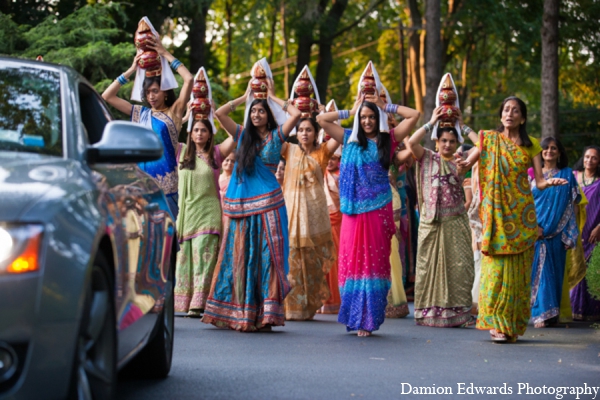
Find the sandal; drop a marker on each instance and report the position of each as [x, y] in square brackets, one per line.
[363, 333]
[497, 336]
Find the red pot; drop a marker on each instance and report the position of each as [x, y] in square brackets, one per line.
[150, 60]
[259, 88]
[304, 88]
[368, 85]
[200, 89]
[201, 105]
[450, 114]
[447, 96]
[142, 39]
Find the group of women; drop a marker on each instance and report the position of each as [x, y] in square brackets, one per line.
[254, 253]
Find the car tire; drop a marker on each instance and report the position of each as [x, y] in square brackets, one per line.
[94, 371]
[154, 361]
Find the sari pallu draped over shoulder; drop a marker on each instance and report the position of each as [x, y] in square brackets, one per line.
[312, 251]
[556, 216]
[508, 217]
[167, 127]
[249, 283]
[509, 231]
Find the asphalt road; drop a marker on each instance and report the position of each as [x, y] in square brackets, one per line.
[319, 360]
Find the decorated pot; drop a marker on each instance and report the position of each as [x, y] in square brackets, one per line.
[368, 85]
[201, 105]
[447, 96]
[200, 89]
[304, 88]
[142, 39]
[449, 115]
[150, 60]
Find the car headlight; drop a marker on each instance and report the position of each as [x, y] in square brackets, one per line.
[20, 248]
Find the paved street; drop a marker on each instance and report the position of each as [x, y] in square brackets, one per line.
[319, 360]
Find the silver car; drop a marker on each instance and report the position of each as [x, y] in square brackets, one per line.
[87, 241]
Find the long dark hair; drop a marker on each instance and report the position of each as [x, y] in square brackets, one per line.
[315, 126]
[563, 159]
[579, 164]
[149, 81]
[525, 141]
[189, 159]
[251, 141]
[384, 142]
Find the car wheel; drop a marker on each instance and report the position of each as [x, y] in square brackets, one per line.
[94, 369]
[154, 361]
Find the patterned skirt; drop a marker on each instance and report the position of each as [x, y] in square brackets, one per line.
[196, 261]
[249, 283]
[364, 268]
[505, 292]
[445, 273]
[309, 289]
[397, 305]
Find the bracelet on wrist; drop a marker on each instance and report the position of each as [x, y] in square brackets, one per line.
[284, 107]
[343, 114]
[232, 106]
[391, 108]
[175, 64]
[427, 127]
[122, 80]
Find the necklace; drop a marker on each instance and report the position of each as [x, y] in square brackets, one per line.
[583, 181]
[161, 110]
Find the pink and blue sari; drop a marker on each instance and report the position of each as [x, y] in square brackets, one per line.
[250, 279]
[365, 239]
[556, 216]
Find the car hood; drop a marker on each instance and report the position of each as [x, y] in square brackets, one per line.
[33, 186]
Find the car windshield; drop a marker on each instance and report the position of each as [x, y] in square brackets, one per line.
[30, 114]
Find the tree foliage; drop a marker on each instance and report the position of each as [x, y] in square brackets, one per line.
[492, 48]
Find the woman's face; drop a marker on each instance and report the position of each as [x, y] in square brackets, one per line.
[591, 158]
[200, 135]
[306, 134]
[447, 144]
[333, 164]
[512, 117]
[258, 116]
[280, 171]
[367, 120]
[551, 152]
[228, 163]
[155, 97]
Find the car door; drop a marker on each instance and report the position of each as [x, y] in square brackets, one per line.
[140, 228]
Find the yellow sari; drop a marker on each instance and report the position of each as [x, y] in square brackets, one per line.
[509, 231]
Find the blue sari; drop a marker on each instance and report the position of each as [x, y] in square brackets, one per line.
[250, 279]
[165, 169]
[556, 216]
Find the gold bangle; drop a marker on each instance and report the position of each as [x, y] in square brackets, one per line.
[285, 105]
[231, 106]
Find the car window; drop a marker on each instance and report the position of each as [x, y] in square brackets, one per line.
[30, 111]
[94, 114]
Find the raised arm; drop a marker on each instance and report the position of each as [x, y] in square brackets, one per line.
[417, 137]
[110, 94]
[410, 116]
[222, 114]
[328, 120]
[541, 182]
[473, 137]
[186, 89]
[287, 106]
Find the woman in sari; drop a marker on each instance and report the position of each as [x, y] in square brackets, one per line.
[366, 204]
[163, 116]
[585, 307]
[249, 283]
[556, 217]
[199, 220]
[444, 264]
[312, 252]
[332, 192]
[509, 223]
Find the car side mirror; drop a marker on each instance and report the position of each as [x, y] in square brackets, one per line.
[125, 142]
